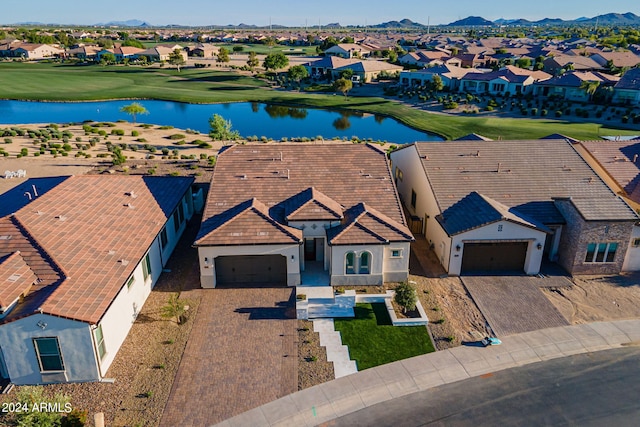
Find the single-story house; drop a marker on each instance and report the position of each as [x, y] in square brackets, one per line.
[77, 264]
[450, 75]
[558, 63]
[326, 66]
[123, 52]
[84, 52]
[276, 211]
[203, 50]
[506, 205]
[426, 58]
[34, 51]
[348, 50]
[627, 90]
[618, 59]
[161, 53]
[369, 69]
[509, 79]
[569, 85]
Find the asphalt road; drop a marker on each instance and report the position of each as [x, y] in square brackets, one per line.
[593, 389]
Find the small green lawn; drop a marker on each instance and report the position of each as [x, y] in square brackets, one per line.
[374, 341]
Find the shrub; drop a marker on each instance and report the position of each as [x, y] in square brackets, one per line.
[544, 113]
[205, 145]
[118, 132]
[8, 141]
[66, 147]
[177, 136]
[135, 133]
[141, 140]
[182, 142]
[24, 152]
[558, 113]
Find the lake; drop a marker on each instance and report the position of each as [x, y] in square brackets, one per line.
[248, 118]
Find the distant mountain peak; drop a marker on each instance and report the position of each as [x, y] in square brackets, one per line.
[403, 23]
[471, 21]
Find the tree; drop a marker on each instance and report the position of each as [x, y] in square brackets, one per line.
[107, 58]
[590, 87]
[297, 73]
[436, 83]
[223, 55]
[253, 61]
[523, 63]
[346, 74]
[134, 109]
[176, 58]
[133, 43]
[221, 129]
[275, 61]
[406, 297]
[343, 85]
[175, 308]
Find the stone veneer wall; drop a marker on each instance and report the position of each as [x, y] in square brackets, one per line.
[578, 233]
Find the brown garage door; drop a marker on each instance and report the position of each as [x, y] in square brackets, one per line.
[507, 256]
[251, 270]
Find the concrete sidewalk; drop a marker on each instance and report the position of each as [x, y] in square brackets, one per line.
[345, 395]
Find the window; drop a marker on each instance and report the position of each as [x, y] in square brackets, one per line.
[636, 243]
[399, 174]
[414, 196]
[499, 227]
[601, 252]
[176, 221]
[48, 352]
[396, 253]
[146, 267]
[163, 238]
[365, 263]
[350, 266]
[130, 282]
[181, 212]
[102, 350]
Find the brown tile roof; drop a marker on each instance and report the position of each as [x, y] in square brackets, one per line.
[247, 223]
[310, 205]
[531, 174]
[97, 229]
[15, 278]
[335, 176]
[617, 158]
[363, 224]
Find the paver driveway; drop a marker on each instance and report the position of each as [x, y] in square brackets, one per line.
[513, 304]
[242, 353]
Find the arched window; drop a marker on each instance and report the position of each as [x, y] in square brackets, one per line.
[350, 264]
[365, 263]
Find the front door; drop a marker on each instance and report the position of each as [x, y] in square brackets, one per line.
[309, 249]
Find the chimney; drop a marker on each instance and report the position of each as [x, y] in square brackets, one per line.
[635, 158]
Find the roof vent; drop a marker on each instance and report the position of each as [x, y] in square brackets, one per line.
[123, 262]
[243, 176]
[129, 205]
[5, 237]
[131, 194]
[111, 252]
[566, 168]
[236, 234]
[14, 277]
[263, 233]
[61, 217]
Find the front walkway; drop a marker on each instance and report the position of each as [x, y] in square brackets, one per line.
[328, 401]
[242, 353]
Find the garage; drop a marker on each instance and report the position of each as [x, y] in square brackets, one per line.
[251, 270]
[494, 256]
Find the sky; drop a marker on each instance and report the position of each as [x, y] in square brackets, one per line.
[299, 12]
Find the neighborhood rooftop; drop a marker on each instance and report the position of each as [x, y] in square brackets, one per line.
[77, 239]
[526, 175]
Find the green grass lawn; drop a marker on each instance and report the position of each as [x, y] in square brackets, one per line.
[374, 341]
[60, 82]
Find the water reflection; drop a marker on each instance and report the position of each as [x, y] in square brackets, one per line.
[342, 123]
[280, 111]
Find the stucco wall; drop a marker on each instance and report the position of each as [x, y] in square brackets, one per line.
[396, 269]
[338, 264]
[632, 259]
[207, 268]
[74, 338]
[578, 233]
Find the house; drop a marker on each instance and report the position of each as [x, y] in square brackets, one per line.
[627, 90]
[276, 211]
[348, 50]
[559, 63]
[76, 266]
[450, 75]
[506, 205]
[84, 52]
[620, 161]
[326, 66]
[203, 50]
[161, 53]
[426, 58]
[569, 85]
[470, 60]
[617, 59]
[369, 70]
[123, 52]
[34, 51]
[509, 79]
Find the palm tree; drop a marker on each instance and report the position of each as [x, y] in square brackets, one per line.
[590, 87]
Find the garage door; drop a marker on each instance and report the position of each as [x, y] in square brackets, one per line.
[507, 256]
[251, 270]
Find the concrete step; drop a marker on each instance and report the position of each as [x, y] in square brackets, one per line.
[330, 339]
[323, 325]
[322, 301]
[337, 353]
[315, 291]
[344, 368]
[322, 311]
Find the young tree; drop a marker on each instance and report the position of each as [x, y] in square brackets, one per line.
[297, 73]
[590, 87]
[406, 297]
[221, 129]
[275, 61]
[134, 109]
[346, 74]
[223, 55]
[343, 85]
[175, 308]
[176, 58]
[107, 58]
[253, 61]
[436, 83]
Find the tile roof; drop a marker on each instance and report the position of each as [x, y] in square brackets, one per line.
[475, 210]
[473, 137]
[299, 180]
[371, 65]
[80, 235]
[15, 278]
[576, 78]
[630, 80]
[247, 223]
[525, 175]
[621, 160]
[363, 225]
